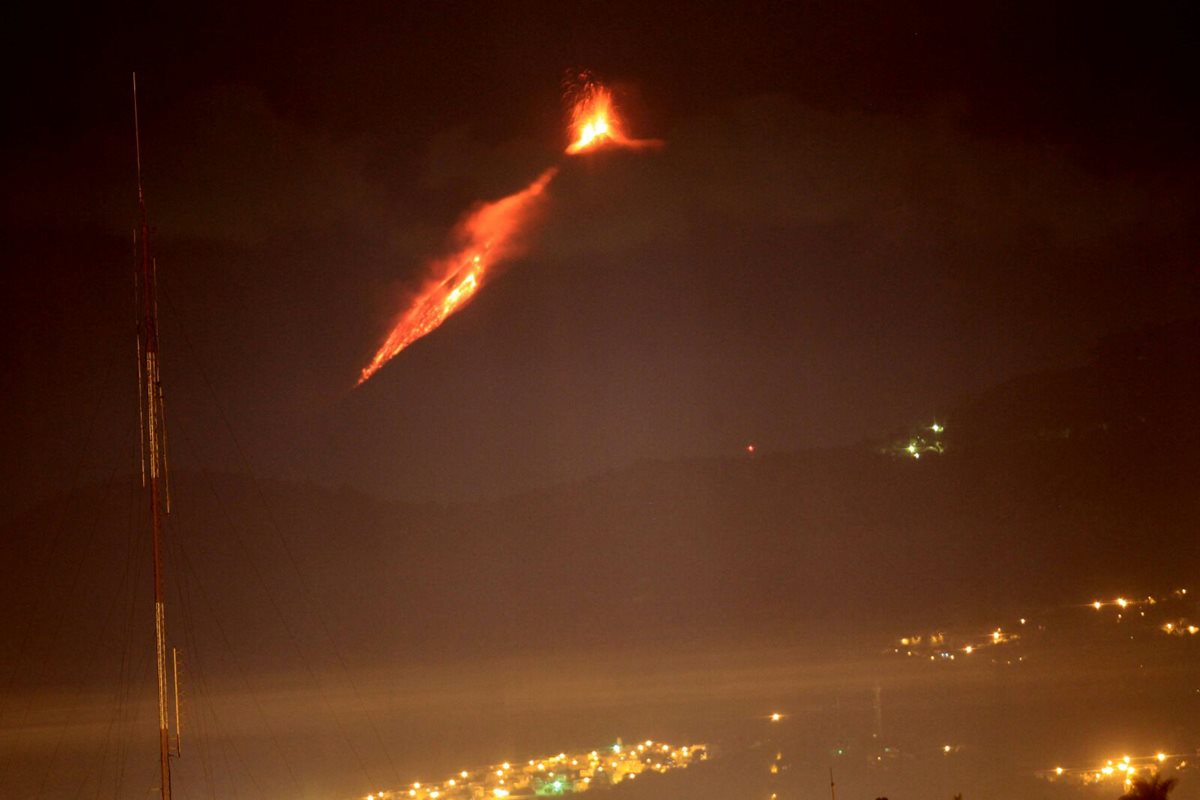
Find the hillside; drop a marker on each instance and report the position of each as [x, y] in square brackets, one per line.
[1052, 488]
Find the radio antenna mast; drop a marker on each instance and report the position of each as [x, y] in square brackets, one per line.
[153, 438]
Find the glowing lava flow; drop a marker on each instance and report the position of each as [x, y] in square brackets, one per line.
[488, 236]
[490, 233]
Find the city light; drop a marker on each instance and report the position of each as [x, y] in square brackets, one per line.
[1154, 613]
[1123, 769]
[919, 442]
[570, 773]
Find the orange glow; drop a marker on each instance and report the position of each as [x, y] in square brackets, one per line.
[491, 233]
[593, 120]
[595, 123]
[488, 235]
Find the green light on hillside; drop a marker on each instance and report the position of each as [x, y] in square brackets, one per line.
[551, 789]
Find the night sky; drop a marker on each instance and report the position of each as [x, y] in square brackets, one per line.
[861, 214]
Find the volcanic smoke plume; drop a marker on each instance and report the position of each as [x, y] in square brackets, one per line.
[491, 233]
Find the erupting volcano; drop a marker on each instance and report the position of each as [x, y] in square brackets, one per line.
[490, 233]
[594, 121]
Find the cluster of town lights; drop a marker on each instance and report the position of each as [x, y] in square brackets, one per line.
[940, 646]
[920, 443]
[555, 775]
[1177, 627]
[950, 652]
[1125, 768]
